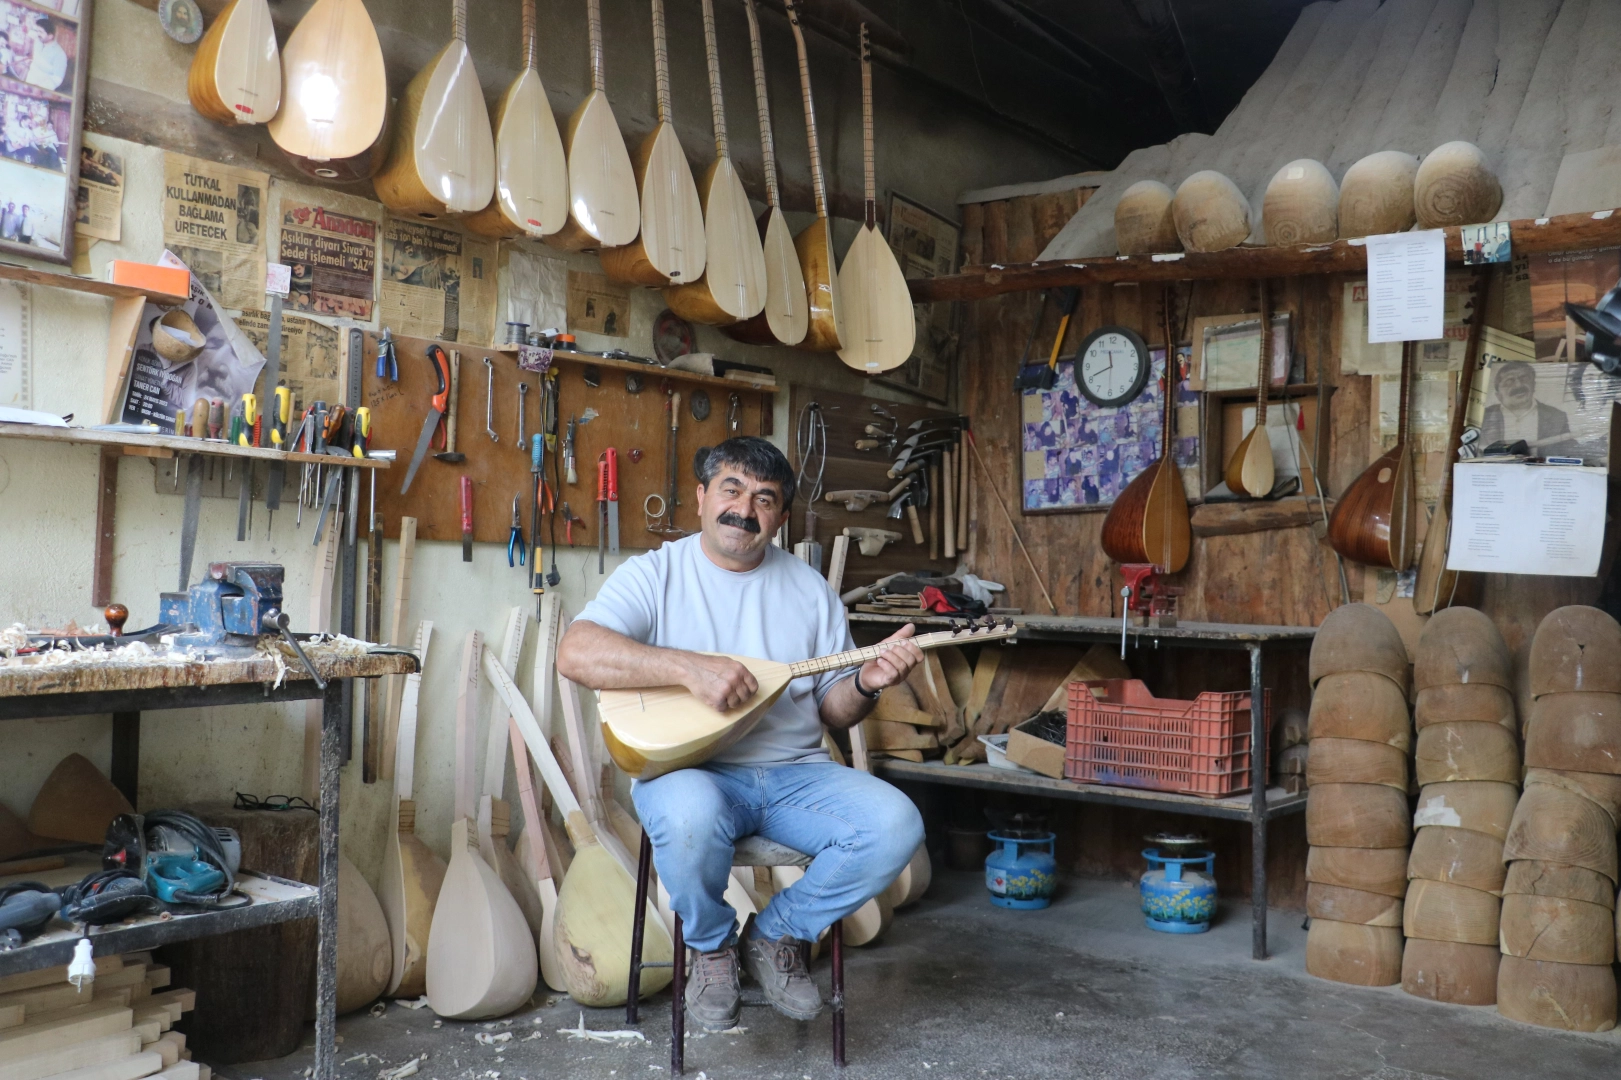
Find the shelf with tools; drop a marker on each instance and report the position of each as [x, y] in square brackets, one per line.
[615, 363]
[136, 444]
[1563, 232]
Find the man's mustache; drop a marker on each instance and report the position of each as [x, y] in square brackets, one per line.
[736, 522]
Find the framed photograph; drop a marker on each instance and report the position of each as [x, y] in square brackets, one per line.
[43, 53]
[926, 244]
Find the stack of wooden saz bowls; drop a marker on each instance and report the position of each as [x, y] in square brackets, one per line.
[1468, 769]
[1558, 932]
[1357, 817]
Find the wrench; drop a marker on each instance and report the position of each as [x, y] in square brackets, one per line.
[489, 400]
[523, 393]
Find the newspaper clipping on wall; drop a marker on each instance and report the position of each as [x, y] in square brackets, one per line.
[101, 193]
[437, 283]
[212, 222]
[310, 359]
[226, 367]
[333, 258]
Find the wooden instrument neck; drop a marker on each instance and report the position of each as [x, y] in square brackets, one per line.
[1406, 391]
[593, 20]
[661, 63]
[1263, 377]
[768, 150]
[458, 21]
[530, 52]
[869, 173]
[1171, 379]
[717, 104]
[1466, 379]
[818, 183]
[857, 657]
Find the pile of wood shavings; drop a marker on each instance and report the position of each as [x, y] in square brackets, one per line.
[281, 654]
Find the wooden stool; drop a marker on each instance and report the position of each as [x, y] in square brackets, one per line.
[749, 851]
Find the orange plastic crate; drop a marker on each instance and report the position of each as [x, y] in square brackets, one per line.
[1130, 738]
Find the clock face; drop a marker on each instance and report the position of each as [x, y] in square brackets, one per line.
[1112, 366]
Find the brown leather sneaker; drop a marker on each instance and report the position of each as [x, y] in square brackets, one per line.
[782, 969]
[714, 998]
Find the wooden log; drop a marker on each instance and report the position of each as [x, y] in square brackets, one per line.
[1301, 205]
[1466, 751]
[1485, 806]
[1211, 213]
[1356, 761]
[1380, 870]
[1570, 997]
[1359, 637]
[1143, 221]
[1533, 877]
[1557, 928]
[1553, 825]
[1455, 185]
[1576, 649]
[278, 962]
[1580, 732]
[1482, 704]
[1347, 905]
[1459, 857]
[1360, 705]
[1600, 788]
[1461, 646]
[1349, 953]
[1242, 518]
[1357, 815]
[1376, 195]
[1441, 911]
[1456, 972]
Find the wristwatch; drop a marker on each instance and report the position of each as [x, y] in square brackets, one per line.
[863, 691]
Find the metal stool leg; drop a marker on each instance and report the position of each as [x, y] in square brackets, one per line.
[838, 993]
[637, 927]
[678, 1004]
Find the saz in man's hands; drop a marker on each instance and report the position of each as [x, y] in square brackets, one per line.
[719, 681]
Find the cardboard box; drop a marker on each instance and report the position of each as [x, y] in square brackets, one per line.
[151, 277]
[1034, 752]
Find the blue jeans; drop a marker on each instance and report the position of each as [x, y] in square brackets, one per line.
[861, 831]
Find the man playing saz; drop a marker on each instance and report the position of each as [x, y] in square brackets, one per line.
[730, 590]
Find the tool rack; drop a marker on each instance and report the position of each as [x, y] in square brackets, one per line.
[1260, 807]
[29, 690]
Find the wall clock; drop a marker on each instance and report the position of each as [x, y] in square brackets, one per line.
[1111, 366]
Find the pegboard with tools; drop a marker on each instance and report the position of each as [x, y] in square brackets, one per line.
[863, 437]
[615, 403]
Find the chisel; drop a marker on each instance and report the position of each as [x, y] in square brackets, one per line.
[602, 511]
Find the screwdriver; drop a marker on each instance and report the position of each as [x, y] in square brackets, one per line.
[280, 417]
[360, 440]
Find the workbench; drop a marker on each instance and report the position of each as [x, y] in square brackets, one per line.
[69, 686]
[1260, 807]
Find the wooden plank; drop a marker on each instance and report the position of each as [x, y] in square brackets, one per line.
[170, 445]
[885, 735]
[27, 679]
[11, 1016]
[133, 1067]
[77, 1055]
[1566, 232]
[27, 980]
[47, 1035]
[1235, 519]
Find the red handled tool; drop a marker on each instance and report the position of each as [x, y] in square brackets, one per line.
[602, 510]
[467, 517]
[437, 407]
[613, 499]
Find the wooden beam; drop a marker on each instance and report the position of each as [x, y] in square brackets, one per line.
[1237, 518]
[101, 567]
[1566, 232]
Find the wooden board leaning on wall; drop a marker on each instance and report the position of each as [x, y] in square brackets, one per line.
[500, 470]
[849, 469]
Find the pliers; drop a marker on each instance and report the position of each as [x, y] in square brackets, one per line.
[515, 543]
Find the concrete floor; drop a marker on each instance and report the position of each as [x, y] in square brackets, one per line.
[960, 988]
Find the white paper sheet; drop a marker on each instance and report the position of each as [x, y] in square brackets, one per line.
[1527, 519]
[1406, 286]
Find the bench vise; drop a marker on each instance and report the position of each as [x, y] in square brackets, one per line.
[234, 604]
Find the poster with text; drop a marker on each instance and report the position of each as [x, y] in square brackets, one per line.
[100, 201]
[212, 221]
[333, 258]
[437, 283]
[310, 360]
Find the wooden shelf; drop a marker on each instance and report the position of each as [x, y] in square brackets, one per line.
[1566, 232]
[648, 369]
[275, 900]
[168, 446]
[13, 272]
[1021, 782]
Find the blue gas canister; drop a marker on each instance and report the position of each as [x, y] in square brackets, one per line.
[1021, 872]
[1178, 890]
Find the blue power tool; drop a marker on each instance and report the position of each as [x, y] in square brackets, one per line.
[183, 879]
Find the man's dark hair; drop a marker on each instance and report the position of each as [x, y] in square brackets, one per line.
[47, 24]
[755, 458]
